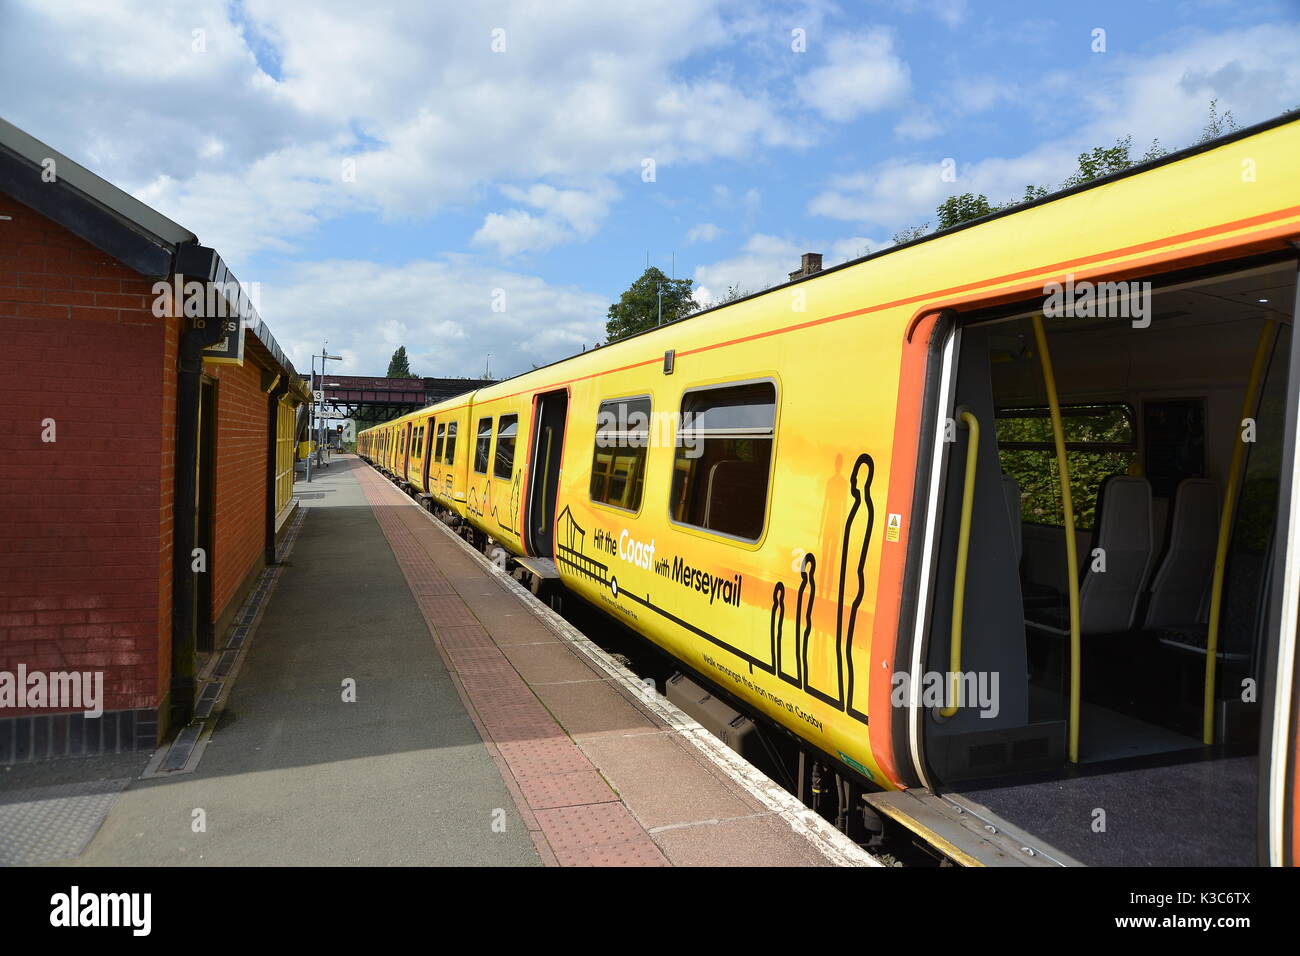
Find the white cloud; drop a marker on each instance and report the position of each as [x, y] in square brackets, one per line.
[704, 232]
[1252, 72]
[767, 260]
[567, 215]
[918, 123]
[862, 74]
[416, 97]
[440, 310]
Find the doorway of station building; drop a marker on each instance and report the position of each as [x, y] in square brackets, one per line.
[1104, 545]
[550, 412]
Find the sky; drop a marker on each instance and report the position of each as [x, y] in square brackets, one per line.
[478, 182]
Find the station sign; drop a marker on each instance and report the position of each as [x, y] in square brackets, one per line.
[229, 348]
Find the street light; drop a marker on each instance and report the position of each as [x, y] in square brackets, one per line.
[311, 415]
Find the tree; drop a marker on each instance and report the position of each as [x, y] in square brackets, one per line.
[399, 366]
[910, 233]
[1218, 125]
[963, 208]
[1101, 161]
[638, 308]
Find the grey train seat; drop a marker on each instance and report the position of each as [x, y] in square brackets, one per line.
[1108, 599]
[1180, 588]
[1033, 594]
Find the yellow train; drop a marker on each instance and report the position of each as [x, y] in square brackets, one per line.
[842, 502]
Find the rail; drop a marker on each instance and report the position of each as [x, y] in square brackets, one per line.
[1071, 544]
[963, 549]
[1248, 403]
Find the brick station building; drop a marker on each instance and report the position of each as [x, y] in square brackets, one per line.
[135, 429]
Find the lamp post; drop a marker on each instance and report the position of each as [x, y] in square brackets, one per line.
[311, 415]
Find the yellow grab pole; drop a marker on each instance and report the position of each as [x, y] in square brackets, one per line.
[1071, 545]
[963, 549]
[1248, 404]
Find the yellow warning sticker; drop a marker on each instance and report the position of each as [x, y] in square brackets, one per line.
[893, 527]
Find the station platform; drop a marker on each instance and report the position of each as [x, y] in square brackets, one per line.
[484, 729]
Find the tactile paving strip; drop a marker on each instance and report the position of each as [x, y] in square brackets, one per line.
[581, 817]
[598, 835]
[53, 823]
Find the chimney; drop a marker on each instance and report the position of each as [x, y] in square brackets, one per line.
[811, 262]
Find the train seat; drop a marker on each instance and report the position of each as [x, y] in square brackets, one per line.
[1125, 536]
[1033, 593]
[732, 487]
[1181, 583]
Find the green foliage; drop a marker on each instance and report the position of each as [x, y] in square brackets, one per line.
[1218, 125]
[963, 208]
[1101, 161]
[399, 366]
[910, 233]
[638, 308]
[1028, 453]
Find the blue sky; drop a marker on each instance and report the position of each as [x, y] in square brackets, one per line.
[379, 170]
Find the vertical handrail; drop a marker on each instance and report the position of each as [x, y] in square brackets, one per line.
[546, 477]
[963, 550]
[1071, 545]
[1248, 403]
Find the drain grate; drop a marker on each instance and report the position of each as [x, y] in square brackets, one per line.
[179, 754]
[207, 700]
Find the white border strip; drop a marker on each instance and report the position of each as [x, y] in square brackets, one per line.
[927, 570]
[828, 841]
[1283, 735]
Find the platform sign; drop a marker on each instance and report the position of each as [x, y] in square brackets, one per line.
[229, 349]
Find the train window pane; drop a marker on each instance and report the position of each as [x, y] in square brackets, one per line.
[507, 425]
[482, 446]
[437, 449]
[618, 462]
[723, 459]
[1099, 441]
[417, 447]
[450, 459]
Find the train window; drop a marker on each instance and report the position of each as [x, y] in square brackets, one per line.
[417, 446]
[450, 459]
[482, 446]
[723, 459]
[1100, 440]
[507, 425]
[618, 462]
[437, 449]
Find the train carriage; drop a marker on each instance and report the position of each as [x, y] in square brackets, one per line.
[1012, 504]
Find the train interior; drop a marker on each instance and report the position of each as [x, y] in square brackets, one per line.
[1170, 407]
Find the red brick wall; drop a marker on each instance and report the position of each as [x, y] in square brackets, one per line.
[239, 537]
[83, 545]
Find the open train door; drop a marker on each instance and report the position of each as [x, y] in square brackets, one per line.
[406, 451]
[550, 412]
[1279, 792]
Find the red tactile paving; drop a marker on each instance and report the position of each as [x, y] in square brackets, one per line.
[581, 817]
[598, 835]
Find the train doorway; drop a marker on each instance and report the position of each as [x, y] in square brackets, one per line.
[1104, 546]
[549, 415]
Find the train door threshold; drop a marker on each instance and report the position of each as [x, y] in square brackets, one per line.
[542, 567]
[964, 832]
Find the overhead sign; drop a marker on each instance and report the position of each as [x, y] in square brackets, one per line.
[229, 349]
